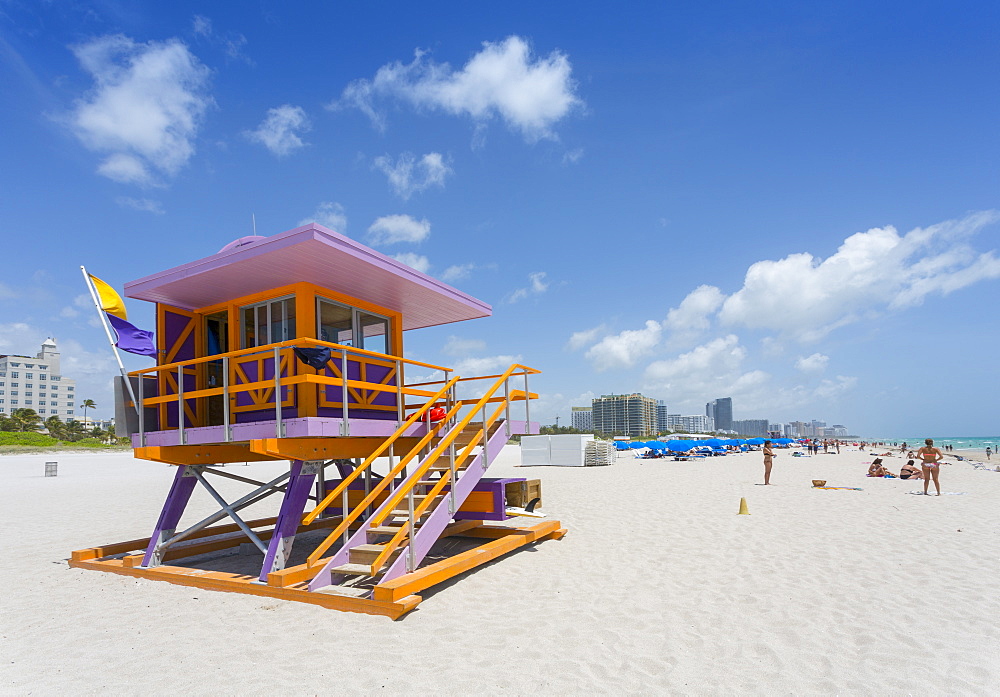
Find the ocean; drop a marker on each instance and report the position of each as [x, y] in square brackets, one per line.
[958, 443]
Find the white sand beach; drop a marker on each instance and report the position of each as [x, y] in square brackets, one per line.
[658, 587]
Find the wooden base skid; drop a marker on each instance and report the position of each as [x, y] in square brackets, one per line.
[393, 599]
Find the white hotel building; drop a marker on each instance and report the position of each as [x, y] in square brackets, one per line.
[36, 383]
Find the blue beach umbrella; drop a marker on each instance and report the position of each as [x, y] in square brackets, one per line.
[680, 446]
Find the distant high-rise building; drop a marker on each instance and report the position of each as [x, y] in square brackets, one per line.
[583, 418]
[662, 417]
[722, 411]
[631, 414]
[751, 427]
[37, 383]
[691, 423]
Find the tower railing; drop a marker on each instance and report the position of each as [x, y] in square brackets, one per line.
[268, 380]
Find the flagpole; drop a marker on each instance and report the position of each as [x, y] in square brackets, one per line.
[111, 339]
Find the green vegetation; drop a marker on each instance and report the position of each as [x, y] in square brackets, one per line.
[19, 433]
[558, 430]
[29, 442]
[18, 438]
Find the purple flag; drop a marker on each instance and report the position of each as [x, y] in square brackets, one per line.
[131, 338]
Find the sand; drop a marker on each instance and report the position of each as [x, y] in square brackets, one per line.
[659, 587]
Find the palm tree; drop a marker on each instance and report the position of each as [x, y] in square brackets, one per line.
[74, 431]
[26, 419]
[87, 404]
[55, 427]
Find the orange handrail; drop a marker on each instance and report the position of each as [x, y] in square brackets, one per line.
[413, 418]
[290, 343]
[376, 490]
[397, 495]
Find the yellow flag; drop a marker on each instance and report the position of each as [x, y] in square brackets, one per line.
[111, 302]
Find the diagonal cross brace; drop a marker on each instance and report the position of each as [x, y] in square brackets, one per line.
[177, 498]
[230, 511]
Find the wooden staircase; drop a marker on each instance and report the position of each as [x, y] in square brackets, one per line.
[384, 547]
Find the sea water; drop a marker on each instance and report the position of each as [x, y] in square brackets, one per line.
[962, 443]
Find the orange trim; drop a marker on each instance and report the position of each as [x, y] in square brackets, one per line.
[321, 448]
[238, 583]
[308, 293]
[431, 575]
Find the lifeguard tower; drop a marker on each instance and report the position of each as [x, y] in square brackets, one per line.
[290, 349]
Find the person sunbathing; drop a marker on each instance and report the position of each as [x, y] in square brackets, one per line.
[877, 470]
[910, 471]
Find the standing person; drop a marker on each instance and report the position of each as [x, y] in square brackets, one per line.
[837, 443]
[931, 457]
[768, 459]
[988, 452]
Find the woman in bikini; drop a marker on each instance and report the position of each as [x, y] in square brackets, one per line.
[910, 471]
[768, 460]
[931, 457]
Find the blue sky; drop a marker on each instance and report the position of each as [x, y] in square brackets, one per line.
[793, 205]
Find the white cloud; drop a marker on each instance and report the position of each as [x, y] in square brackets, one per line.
[145, 205]
[536, 286]
[548, 406]
[146, 107]
[202, 26]
[704, 370]
[812, 364]
[709, 370]
[456, 346]
[503, 80]
[390, 229]
[6, 292]
[879, 269]
[18, 337]
[481, 366]
[408, 176]
[82, 301]
[828, 389]
[457, 272]
[485, 365]
[232, 44]
[328, 214]
[717, 368]
[416, 261]
[624, 349]
[573, 156]
[588, 336]
[691, 317]
[280, 129]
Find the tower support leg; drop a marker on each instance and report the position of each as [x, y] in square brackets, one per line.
[173, 508]
[290, 516]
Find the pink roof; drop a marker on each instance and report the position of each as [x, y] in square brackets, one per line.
[312, 254]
